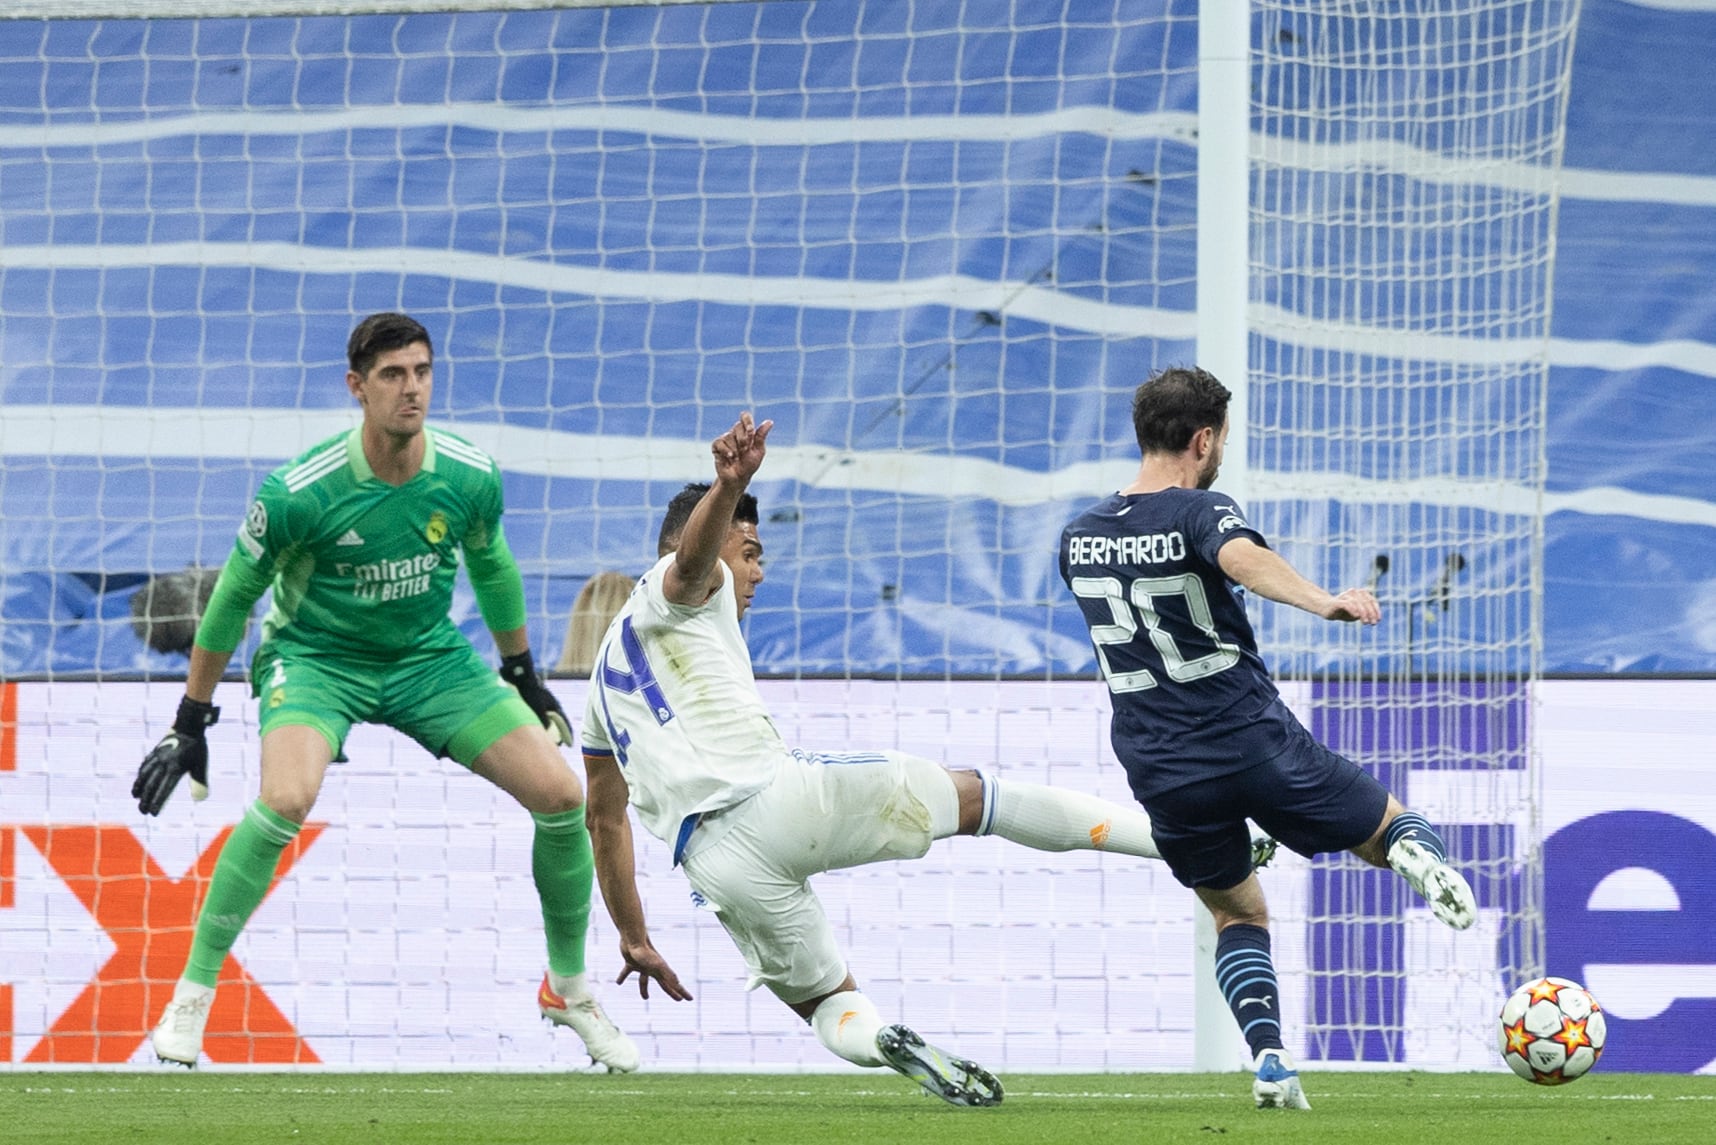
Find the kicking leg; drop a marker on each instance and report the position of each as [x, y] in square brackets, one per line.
[1406, 842]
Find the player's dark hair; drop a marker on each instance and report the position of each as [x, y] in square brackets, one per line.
[378, 334]
[679, 512]
[1173, 405]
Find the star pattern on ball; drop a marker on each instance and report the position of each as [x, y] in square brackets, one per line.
[1519, 1039]
[1545, 990]
[1572, 1034]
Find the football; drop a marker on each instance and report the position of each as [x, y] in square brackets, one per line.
[1551, 1031]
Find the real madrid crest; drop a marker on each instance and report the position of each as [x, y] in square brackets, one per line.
[436, 530]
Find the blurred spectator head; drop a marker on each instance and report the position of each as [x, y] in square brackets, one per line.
[598, 603]
[166, 610]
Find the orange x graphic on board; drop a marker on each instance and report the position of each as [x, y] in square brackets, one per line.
[150, 918]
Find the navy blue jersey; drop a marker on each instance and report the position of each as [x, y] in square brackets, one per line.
[1192, 698]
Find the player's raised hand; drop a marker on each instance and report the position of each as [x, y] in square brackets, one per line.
[739, 452]
[643, 960]
[182, 751]
[1354, 604]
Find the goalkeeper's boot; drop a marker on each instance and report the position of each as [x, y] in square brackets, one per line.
[1441, 886]
[954, 1080]
[178, 1036]
[606, 1042]
[1277, 1083]
[1263, 850]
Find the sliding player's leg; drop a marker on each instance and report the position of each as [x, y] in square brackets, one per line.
[1048, 818]
[749, 866]
[889, 798]
[1055, 819]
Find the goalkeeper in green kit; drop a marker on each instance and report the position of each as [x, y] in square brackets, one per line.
[360, 539]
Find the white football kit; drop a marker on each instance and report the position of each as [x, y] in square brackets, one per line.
[673, 700]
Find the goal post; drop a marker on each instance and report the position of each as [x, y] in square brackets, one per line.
[939, 243]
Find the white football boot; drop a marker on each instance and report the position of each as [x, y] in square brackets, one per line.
[1277, 1083]
[606, 1042]
[1441, 886]
[954, 1080]
[178, 1036]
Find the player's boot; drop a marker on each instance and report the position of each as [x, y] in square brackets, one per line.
[1263, 850]
[954, 1080]
[178, 1036]
[607, 1043]
[1277, 1083]
[1441, 886]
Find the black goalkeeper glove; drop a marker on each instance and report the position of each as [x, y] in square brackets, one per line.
[520, 672]
[181, 751]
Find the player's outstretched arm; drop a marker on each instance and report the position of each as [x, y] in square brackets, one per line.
[616, 873]
[695, 573]
[1267, 573]
[183, 751]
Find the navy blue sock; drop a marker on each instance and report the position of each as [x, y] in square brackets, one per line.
[1411, 825]
[1246, 975]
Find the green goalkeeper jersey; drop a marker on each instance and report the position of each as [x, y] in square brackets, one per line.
[364, 569]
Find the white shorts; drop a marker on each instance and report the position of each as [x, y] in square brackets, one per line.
[749, 864]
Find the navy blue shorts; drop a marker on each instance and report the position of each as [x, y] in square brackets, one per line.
[1309, 798]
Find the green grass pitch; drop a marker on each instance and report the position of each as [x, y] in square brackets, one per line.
[235, 1108]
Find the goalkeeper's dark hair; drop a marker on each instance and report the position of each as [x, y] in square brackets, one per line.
[1173, 405]
[378, 334]
[679, 512]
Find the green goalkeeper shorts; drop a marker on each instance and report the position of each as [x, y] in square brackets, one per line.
[448, 700]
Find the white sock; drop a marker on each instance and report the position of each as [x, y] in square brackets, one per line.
[569, 986]
[847, 1023]
[1053, 819]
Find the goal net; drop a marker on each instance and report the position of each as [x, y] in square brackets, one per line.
[1403, 214]
[938, 243]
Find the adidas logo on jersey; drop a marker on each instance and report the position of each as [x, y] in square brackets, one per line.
[350, 538]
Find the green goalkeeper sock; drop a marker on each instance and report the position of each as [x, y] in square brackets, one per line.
[241, 877]
[564, 867]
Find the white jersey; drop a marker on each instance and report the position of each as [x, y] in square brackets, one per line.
[673, 699]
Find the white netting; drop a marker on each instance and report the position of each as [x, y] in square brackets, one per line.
[1403, 220]
[915, 235]
[939, 242]
[931, 241]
